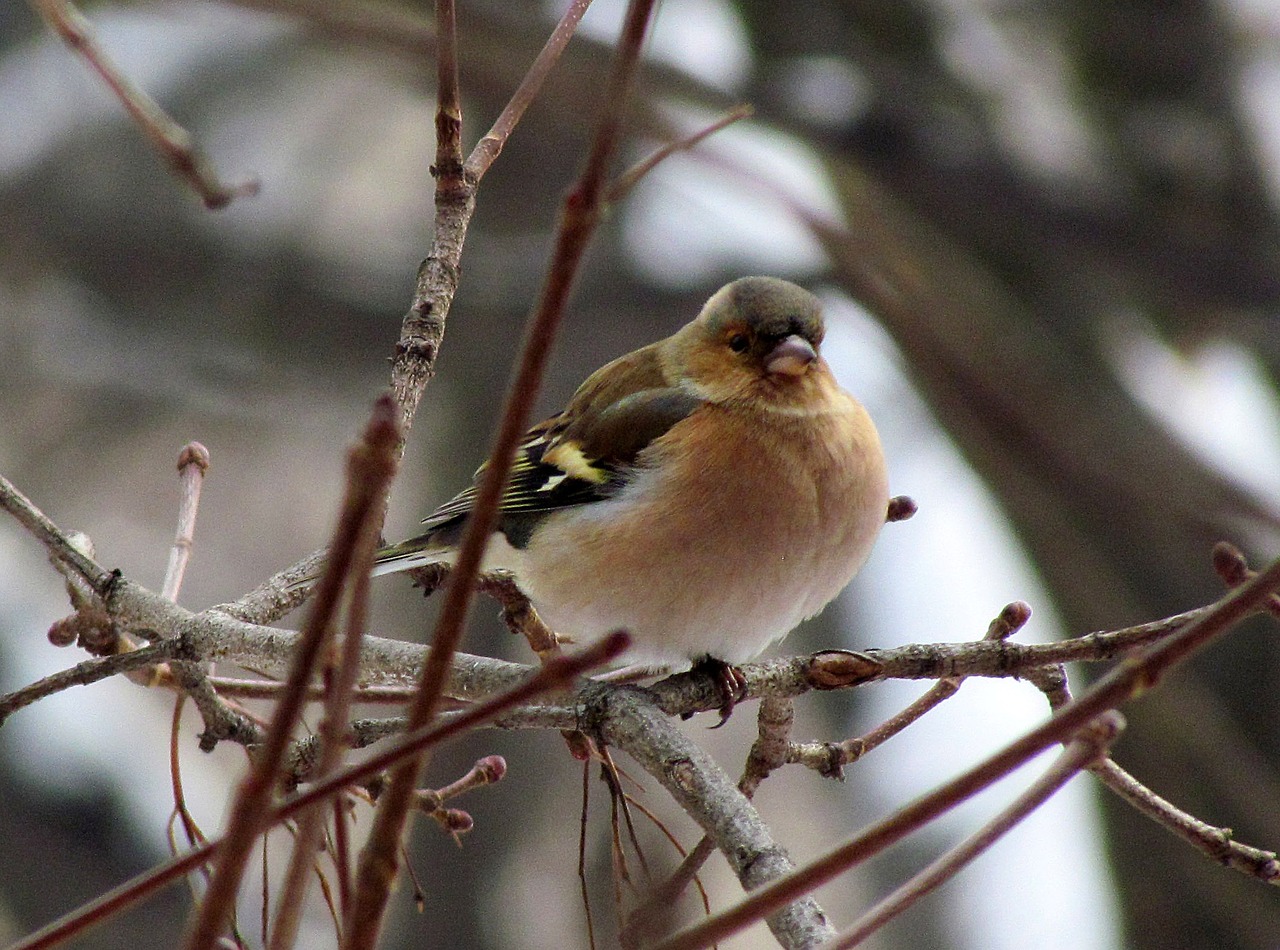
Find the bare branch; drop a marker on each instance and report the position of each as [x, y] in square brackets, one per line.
[271, 689]
[1231, 565]
[491, 144]
[369, 470]
[82, 674]
[59, 544]
[554, 675]
[171, 140]
[1092, 742]
[629, 179]
[581, 212]
[627, 718]
[1107, 693]
[1216, 843]
[768, 753]
[333, 727]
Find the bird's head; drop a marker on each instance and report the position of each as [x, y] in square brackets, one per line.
[756, 341]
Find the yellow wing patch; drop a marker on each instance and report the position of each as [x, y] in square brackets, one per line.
[570, 459]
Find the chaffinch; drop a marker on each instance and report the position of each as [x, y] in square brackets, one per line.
[705, 493]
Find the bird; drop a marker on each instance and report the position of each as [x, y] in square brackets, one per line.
[705, 493]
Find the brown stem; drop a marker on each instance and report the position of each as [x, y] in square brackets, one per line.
[370, 467]
[171, 140]
[491, 144]
[379, 859]
[632, 176]
[333, 729]
[549, 678]
[1091, 743]
[1132, 676]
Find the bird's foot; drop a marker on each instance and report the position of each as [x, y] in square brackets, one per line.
[730, 683]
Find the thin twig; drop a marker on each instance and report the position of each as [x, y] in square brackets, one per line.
[333, 728]
[57, 542]
[221, 721]
[830, 758]
[193, 463]
[370, 467]
[581, 213]
[546, 679]
[1216, 843]
[519, 615]
[583, 890]
[1088, 745]
[82, 674]
[1127, 679]
[167, 137]
[271, 689]
[448, 166]
[632, 176]
[492, 142]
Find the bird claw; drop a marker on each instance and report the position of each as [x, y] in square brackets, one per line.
[730, 684]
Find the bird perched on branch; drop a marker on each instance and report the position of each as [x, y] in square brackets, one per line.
[705, 493]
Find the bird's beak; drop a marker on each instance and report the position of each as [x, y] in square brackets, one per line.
[791, 357]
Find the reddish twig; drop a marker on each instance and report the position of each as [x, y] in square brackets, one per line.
[554, 675]
[1215, 843]
[370, 467]
[1089, 744]
[1126, 680]
[578, 221]
[1231, 565]
[333, 727]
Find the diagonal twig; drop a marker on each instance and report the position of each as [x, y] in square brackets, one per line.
[581, 213]
[1089, 744]
[370, 467]
[1132, 676]
[554, 675]
[167, 137]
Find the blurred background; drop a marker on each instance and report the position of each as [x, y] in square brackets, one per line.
[1047, 237]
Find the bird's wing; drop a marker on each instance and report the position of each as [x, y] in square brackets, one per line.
[584, 453]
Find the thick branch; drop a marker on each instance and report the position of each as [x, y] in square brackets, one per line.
[628, 718]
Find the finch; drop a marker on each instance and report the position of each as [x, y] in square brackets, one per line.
[705, 493]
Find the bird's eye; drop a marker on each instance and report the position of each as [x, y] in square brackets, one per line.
[739, 343]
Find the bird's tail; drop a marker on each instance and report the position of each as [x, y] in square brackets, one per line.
[416, 552]
[405, 556]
